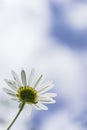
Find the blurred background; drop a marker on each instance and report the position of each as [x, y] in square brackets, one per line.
[51, 36]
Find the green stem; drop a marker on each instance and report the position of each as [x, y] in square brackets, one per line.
[21, 108]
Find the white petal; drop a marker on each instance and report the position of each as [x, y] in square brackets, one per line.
[38, 81]
[47, 86]
[48, 95]
[15, 99]
[23, 77]
[44, 98]
[36, 106]
[47, 101]
[20, 104]
[40, 106]
[16, 78]
[9, 92]
[28, 108]
[11, 84]
[14, 83]
[31, 77]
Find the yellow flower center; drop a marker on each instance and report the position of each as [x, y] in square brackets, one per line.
[27, 94]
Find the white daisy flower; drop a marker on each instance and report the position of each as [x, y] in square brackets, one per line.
[31, 92]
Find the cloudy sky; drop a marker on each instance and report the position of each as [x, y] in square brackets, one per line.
[49, 35]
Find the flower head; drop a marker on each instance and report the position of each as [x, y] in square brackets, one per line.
[31, 92]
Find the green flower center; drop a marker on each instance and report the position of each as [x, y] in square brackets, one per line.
[28, 95]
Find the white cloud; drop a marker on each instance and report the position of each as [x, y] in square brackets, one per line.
[77, 15]
[22, 26]
[21, 37]
[59, 121]
[64, 65]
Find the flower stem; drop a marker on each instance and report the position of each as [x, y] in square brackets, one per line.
[21, 108]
